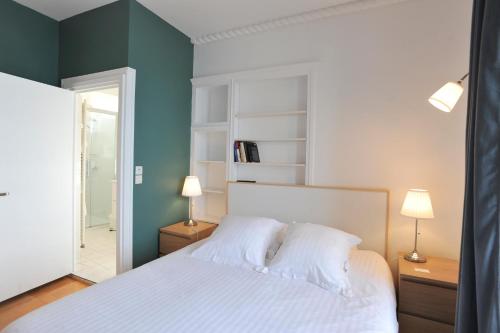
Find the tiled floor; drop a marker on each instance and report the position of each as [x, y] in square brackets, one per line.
[97, 260]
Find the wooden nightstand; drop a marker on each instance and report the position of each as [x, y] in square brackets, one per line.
[177, 236]
[427, 295]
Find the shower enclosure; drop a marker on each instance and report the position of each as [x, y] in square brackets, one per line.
[100, 167]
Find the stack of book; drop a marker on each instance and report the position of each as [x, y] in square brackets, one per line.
[246, 152]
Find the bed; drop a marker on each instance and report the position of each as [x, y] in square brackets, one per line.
[179, 293]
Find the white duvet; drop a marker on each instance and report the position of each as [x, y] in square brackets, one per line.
[178, 293]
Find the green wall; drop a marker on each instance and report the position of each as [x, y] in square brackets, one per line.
[94, 41]
[124, 33]
[29, 44]
[163, 59]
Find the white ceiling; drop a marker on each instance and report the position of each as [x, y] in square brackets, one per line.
[194, 17]
[201, 17]
[62, 9]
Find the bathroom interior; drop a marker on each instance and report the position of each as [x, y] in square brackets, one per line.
[96, 237]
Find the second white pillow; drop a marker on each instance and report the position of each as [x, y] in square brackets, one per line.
[317, 254]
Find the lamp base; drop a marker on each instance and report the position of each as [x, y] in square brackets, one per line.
[414, 256]
[190, 223]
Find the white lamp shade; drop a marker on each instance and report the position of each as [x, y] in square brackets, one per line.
[191, 187]
[417, 204]
[445, 98]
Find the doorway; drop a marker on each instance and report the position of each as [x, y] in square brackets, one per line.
[104, 172]
[96, 254]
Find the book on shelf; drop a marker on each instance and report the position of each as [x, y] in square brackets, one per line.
[236, 151]
[243, 154]
[246, 152]
[252, 152]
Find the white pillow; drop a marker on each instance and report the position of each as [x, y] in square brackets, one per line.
[316, 254]
[240, 241]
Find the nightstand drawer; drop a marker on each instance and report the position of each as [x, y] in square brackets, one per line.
[205, 233]
[170, 243]
[428, 301]
[411, 324]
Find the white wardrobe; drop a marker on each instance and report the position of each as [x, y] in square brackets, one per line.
[36, 184]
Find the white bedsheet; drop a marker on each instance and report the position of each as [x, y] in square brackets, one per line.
[178, 293]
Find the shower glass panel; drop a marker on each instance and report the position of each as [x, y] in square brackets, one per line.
[100, 167]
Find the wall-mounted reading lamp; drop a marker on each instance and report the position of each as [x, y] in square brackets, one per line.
[447, 96]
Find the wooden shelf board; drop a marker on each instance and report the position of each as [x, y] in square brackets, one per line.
[271, 183]
[212, 190]
[211, 162]
[273, 140]
[211, 126]
[271, 164]
[270, 114]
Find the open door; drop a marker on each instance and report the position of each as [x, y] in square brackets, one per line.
[36, 184]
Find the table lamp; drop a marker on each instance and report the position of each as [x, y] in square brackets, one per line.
[417, 204]
[191, 189]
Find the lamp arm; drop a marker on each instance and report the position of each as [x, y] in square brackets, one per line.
[463, 78]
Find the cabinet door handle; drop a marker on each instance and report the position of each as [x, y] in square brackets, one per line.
[4, 194]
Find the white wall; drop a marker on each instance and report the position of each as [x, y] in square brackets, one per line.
[374, 126]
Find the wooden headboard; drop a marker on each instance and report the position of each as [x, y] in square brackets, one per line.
[360, 211]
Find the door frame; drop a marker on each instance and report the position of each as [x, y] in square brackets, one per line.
[125, 79]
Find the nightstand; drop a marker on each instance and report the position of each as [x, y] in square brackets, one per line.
[177, 236]
[427, 295]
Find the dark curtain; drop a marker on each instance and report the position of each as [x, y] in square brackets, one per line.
[478, 307]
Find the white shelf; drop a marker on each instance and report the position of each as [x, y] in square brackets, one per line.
[213, 191]
[210, 126]
[269, 114]
[273, 139]
[212, 162]
[271, 164]
[210, 145]
[210, 104]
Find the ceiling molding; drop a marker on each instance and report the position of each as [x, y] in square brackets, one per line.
[315, 15]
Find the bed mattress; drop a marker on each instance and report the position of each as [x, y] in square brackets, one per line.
[178, 293]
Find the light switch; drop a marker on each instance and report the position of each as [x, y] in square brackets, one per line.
[138, 170]
[138, 179]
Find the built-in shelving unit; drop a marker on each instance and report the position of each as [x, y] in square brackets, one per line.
[271, 107]
[209, 140]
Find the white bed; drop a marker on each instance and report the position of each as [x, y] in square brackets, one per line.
[178, 293]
